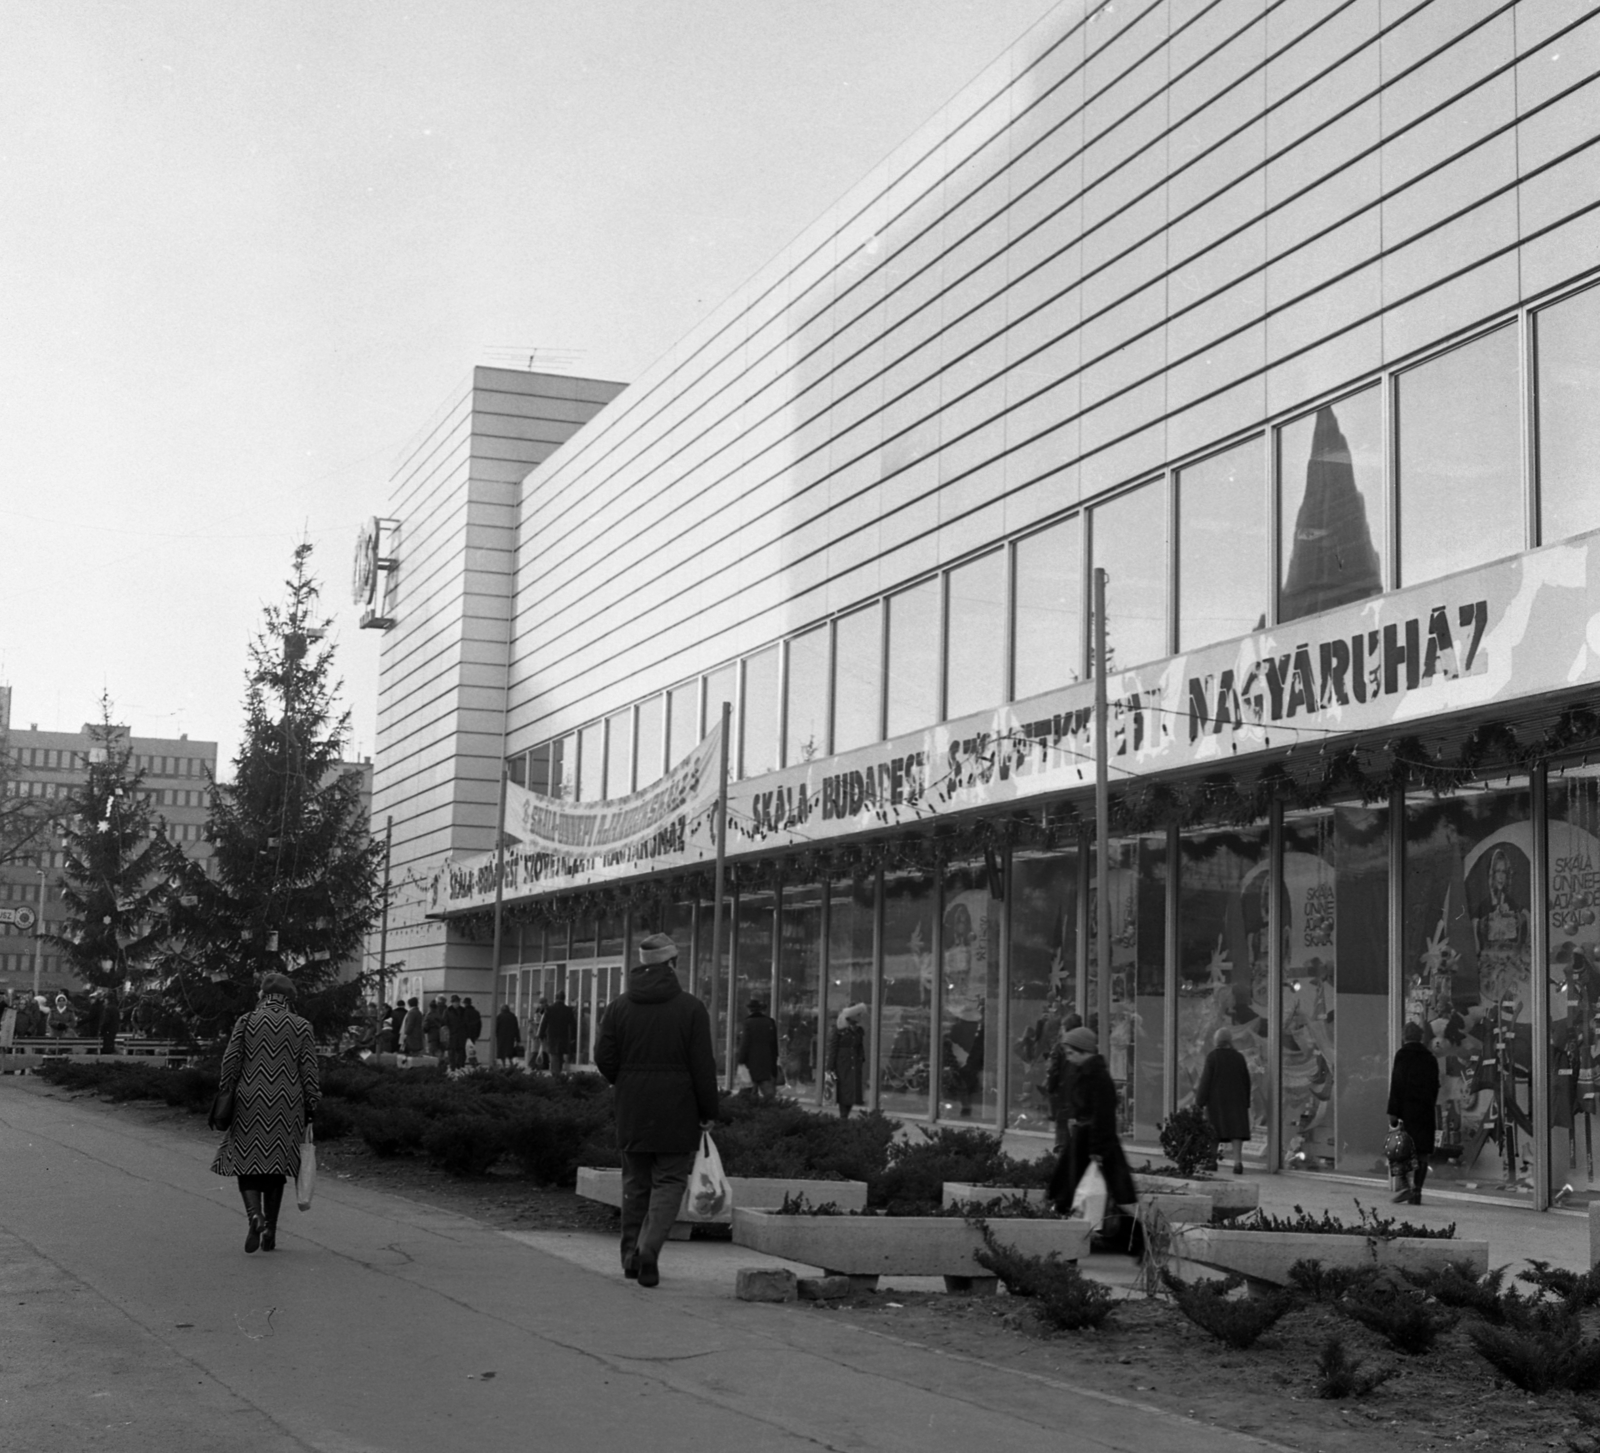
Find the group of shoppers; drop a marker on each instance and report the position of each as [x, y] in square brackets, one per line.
[444, 1030]
[38, 1017]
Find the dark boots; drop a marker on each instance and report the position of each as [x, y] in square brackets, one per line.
[252, 1209]
[272, 1203]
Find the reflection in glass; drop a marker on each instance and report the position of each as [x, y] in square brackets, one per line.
[1330, 506]
[591, 762]
[1224, 888]
[1047, 618]
[651, 740]
[806, 713]
[583, 937]
[683, 721]
[610, 943]
[754, 964]
[619, 754]
[1467, 961]
[800, 988]
[850, 959]
[975, 664]
[1335, 929]
[1129, 542]
[758, 751]
[563, 761]
[1044, 976]
[1222, 546]
[1574, 970]
[970, 1028]
[722, 685]
[913, 675]
[1568, 353]
[909, 904]
[539, 768]
[702, 974]
[1460, 456]
[857, 679]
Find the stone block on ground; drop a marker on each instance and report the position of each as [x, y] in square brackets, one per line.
[823, 1288]
[765, 1284]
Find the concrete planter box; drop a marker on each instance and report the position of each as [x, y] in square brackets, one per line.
[1266, 1256]
[755, 1192]
[867, 1247]
[1226, 1193]
[1177, 1206]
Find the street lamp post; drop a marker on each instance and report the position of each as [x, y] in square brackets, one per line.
[38, 935]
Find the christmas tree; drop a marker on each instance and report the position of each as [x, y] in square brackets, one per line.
[293, 883]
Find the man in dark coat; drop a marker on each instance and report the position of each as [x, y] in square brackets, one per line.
[758, 1049]
[1093, 1128]
[1058, 1080]
[411, 1029]
[473, 1022]
[558, 1032]
[455, 1028]
[655, 1047]
[1413, 1094]
[505, 1036]
[1224, 1094]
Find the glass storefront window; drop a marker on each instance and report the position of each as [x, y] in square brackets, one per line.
[913, 671]
[1047, 609]
[1222, 546]
[858, 678]
[592, 762]
[906, 1000]
[722, 685]
[1224, 883]
[805, 733]
[1335, 954]
[1332, 520]
[651, 739]
[1128, 540]
[975, 636]
[850, 961]
[1460, 457]
[754, 962]
[583, 930]
[611, 936]
[1567, 371]
[619, 754]
[1468, 982]
[1573, 855]
[800, 988]
[1044, 976]
[758, 746]
[970, 1024]
[562, 760]
[702, 974]
[683, 721]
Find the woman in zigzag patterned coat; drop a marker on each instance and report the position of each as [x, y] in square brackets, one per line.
[271, 1066]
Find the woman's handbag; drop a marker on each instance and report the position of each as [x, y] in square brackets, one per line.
[221, 1116]
[306, 1182]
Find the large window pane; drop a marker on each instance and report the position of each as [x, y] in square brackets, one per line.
[1137, 879]
[722, 685]
[1044, 976]
[755, 957]
[850, 961]
[1223, 546]
[800, 987]
[1574, 970]
[683, 721]
[913, 677]
[1335, 934]
[909, 904]
[857, 679]
[975, 649]
[969, 1044]
[1130, 544]
[758, 751]
[806, 712]
[1460, 459]
[651, 739]
[591, 762]
[703, 971]
[619, 754]
[1568, 344]
[1331, 511]
[1047, 629]
[1468, 981]
[539, 768]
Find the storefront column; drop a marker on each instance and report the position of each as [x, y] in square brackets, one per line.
[694, 945]
[729, 1017]
[824, 1013]
[777, 947]
[1397, 924]
[877, 982]
[1003, 1040]
[1080, 994]
[1275, 927]
[936, 1001]
[627, 947]
[1169, 1007]
[1539, 948]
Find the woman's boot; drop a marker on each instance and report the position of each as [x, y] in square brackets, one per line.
[272, 1203]
[252, 1209]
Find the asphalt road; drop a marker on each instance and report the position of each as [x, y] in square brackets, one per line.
[132, 1320]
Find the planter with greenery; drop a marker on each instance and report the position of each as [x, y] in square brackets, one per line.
[1184, 1202]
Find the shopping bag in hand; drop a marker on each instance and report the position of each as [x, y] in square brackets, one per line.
[306, 1181]
[1089, 1204]
[709, 1197]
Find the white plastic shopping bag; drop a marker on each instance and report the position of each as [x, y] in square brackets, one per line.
[306, 1182]
[708, 1197]
[1089, 1204]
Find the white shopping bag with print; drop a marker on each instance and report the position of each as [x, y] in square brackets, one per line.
[709, 1197]
[306, 1182]
[1089, 1204]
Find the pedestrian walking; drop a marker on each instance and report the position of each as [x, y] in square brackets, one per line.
[383, 1042]
[505, 1037]
[270, 1065]
[758, 1049]
[1224, 1094]
[1058, 1078]
[61, 1021]
[655, 1047]
[1413, 1094]
[538, 1059]
[1093, 1129]
[474, 1026]
[411, 1029]
[557, 1032]
[433, 1027]
[455, 1028]
[848, 1058]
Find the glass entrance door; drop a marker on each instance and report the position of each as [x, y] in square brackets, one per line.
[590, 987]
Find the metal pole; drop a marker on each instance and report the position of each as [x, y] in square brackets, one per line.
[716, 906]
[38, 937]
[500, 893]
[383, 921]
[1102, 816]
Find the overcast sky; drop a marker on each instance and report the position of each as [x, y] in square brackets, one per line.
[247, 251]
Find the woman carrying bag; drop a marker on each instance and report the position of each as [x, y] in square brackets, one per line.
[1092, 1131]
[266, 1098]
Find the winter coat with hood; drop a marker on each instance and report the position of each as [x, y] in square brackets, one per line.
[655, 1047]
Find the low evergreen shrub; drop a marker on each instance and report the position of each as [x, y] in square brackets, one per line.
[1369, 1223]
[550, 1141]
[912, 1181]
[465, 1145]
[1542, 1355]
[1405, 1320]
[785, 1141]
[1339, 1375]
[1326, 1283]
[390, 1129]
[1067, 1299]
[1238, 1321]
[1459, 1286]
[333, 1121]
[1189, 1141]
[1580, 1286]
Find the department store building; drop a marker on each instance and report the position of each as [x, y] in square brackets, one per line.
[1287, 316]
